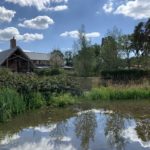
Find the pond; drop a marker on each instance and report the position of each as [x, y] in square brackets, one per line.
[115, 126]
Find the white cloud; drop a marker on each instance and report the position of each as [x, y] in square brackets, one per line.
[39, 4]
[40, 22]
[6, 15]
[7, 33]
[75, 34]
[59, 8]
[72, 34]
[137, 9]
[31, 37]
[108, 7]
[93, 35]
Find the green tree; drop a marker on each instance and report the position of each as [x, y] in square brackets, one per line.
[115, 33]
[137, 41]
[146, 52]
[98, 59]
[56, 59]
[84, 61]
[126, 48]
[68, 58]
[109, 54]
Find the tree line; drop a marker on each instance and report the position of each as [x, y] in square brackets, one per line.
[116, 51]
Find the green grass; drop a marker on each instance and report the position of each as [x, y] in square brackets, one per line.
[11, 103]
[37, 100]
[62, 100]
[118, 93]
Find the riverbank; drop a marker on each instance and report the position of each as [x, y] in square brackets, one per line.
[13, 103]
[20, 93]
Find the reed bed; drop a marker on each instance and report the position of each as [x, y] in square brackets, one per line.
[118, 93]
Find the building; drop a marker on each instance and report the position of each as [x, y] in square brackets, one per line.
[15, 59]
[19, 61]
[40, 60]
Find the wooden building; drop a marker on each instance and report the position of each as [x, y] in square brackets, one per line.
[40, 60]
[15, 59]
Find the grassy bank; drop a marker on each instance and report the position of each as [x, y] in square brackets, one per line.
[22, 92]
[118, 93]
[13, 103]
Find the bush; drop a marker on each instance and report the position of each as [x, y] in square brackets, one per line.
[47, 97]
[62, 100]
[55, 71]
[36, 100]
[29, 83]
[48, 71]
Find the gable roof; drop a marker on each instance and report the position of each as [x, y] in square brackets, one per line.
[5, 54]
[38, 56]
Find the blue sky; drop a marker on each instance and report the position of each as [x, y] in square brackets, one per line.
[43, 25]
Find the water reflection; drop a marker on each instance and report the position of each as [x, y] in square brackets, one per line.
[114, 127]
[58, 134]
[143, 129]
[91, 129]
[85, 126]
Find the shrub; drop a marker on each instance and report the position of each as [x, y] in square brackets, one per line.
[62, 100]
[36, 100]
[55, 71]
[48, 71]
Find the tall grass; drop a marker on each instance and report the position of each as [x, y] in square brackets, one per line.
[11, 103]
[118, 93]
[63, 100]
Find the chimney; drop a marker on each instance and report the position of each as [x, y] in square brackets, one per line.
[13, 43]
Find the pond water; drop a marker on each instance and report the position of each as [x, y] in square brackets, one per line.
[118, 126]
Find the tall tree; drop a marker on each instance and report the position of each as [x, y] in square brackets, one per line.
[138, 40]
[146, 52]
[109, 54]
[126, 48]
[98, 60]
[68, 58]
[84, 60]
[56, 58]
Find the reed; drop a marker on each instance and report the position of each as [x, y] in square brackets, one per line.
[118, 93]
[11, 104]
